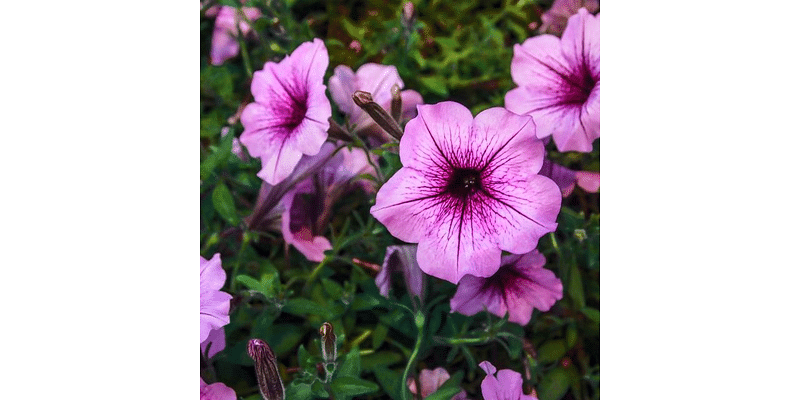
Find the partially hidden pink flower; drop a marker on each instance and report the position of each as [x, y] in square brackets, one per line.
[289, 117]
[430, 381]
[555, 19]
[214, 304]
[216, 391]
[308, 207]
[520, 285]
[214, 343]
[507, 385]
[559, 83]
[566, 178]
[468, 190]
[402, 259]
[377, 80]
[224, 42]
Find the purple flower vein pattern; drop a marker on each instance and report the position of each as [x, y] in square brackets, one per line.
[468, 189]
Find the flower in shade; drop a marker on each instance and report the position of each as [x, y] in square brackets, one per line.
[216, 391]
[555, 19]
[559, 83]
[214, 304]
[520, 285]
[214, 343]
[430, 381]
[566, 178]
[290, 114]
[224, 40]
[507, 385]
[401, 259]
[377, 80]
[308, 207]
[468, 190]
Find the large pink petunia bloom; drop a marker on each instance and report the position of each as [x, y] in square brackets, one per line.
[566, 179]
[290, 114]
[559, 83]
[555, 19]
[216, 391]
[307, 207]
[378, 80]
[520, 285]
[507, 385]
[468, 189]
[224, 42]
[214, 304]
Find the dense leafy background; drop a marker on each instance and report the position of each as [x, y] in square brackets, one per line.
[458, 51]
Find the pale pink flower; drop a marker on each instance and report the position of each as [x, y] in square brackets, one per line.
[216, 391]
[468, 190]
[559, 83]
[566, 178]
[520, 285]
[224, 42]
[289, 117]
[214, 343]
[214, 304]
[555, 19]
[431, 381]
[507, 385]
[377, 80]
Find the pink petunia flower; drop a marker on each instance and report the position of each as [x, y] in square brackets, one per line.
[431, 381]
[290, 114]
[507, 385]
[214, 343]
[468, 189]
[214, 304]
[566, 178]
[224, 42]
[401, 259]
[520, 285]
[216, 391]
[308, 206]
[559, 83]
[378, 80]
[555, 19]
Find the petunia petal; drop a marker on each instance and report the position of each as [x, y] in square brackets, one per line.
[580, 43]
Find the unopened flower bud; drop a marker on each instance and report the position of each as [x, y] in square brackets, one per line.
[378, 114]
[397, 103]
[408, 10]
[328, 342]
[269, 380]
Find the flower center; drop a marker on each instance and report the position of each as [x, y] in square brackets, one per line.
[297, 114]
[463, 182]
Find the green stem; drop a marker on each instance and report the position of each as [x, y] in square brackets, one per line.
[457, 341]
[235, 272]
[420, 322]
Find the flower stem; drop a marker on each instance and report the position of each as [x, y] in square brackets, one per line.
[235, 272]
[419, 319]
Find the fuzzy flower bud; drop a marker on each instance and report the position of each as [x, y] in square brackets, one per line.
[269, 380]
[328, 342]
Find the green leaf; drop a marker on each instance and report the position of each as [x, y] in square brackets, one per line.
[551, 351]
[300, 391]
[223, 203]
[435, 84]
[351, 364]
[390, 381]
[303, 307]
[218, 156]
[575, 287]
[350, 386]
[369, 362]
[591, 313]
[554, 385]
[379, 335]
[319, 389]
